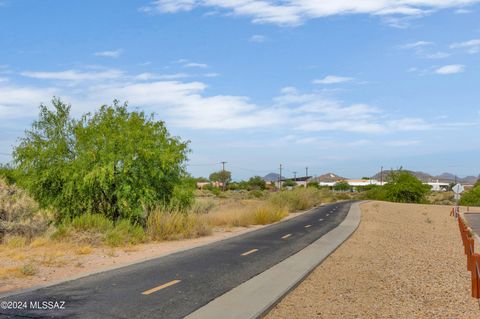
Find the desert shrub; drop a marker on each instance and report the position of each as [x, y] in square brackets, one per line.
[171, 225]
[91, 222]
[256, 194]
[289, 183]
[341, 196]
[7, 172]
[125, 233]
[116, 163]
[267, 214]
[471, 197]
[404, 187]
[202, 206]
[342, 186]
[19, 213]
[376, 192]
[313, 184]
[256, 183]
[297, 199]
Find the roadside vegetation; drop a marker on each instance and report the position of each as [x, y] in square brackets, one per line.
[116, 179]
[472, 196]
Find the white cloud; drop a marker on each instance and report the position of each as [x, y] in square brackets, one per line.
[75, 75]
[450, 69]
[195, 65]
[416, 44]
[436, 55]
[333, 79]
[472, 46]
[295, 12]
[402, 143]
[22, 101]
[187, 104]
[109, 54]
[257, 38]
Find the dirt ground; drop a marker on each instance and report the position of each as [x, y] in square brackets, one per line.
[54, 262]
[404, 261]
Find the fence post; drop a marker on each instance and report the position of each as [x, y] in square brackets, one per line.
[470, 258]
[475, 277]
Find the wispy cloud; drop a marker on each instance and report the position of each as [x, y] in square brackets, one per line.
[450, 69]
[295, 12]
[333, 79]
[257, 38]
[416, 44]
[195, 65]
[472, 46]
[109, 54]
[185, 104]
[75, 75]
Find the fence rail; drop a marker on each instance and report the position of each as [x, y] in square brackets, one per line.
[473, 259]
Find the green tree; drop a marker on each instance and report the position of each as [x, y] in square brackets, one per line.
[313, 184]
[289, 183]
[117, 163]
[342, 186]
[471, 197]
[223, 177]
[8, 173]
[256, 183]
[404, 187]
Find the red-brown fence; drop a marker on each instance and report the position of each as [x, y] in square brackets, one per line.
[473, 259]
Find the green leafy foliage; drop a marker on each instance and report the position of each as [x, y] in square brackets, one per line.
[471, 197]
[116, 163]
[221, 176]
[342, 186]
[7, 172]
[289, 183]
[404, 187]
[256, 183]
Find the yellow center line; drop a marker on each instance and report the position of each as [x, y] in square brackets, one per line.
[306, 226]
[286, 236]
[168, 284]
[249, 252]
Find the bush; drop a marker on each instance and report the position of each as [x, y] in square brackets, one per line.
[404, 187]
[171, 225]
[342, 186]
[115, 163]
[267, 214]
[98, 228]
[313, 184]
[297, 199]
[471, 197]
[256, 183]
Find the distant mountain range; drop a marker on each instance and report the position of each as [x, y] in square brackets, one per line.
[444, 177]
[425, 177]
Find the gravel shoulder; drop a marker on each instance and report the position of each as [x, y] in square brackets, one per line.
[404, 261]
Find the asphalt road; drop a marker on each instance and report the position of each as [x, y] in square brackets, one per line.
[174, 286]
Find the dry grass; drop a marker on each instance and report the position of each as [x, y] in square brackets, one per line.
[167, 225]
[84, 250]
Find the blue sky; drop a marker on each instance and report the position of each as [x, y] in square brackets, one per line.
[342, 86]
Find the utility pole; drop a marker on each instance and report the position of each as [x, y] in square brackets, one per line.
[280, 178]
[306, 176]
[381, 176]
[224, 182]
[295, 176]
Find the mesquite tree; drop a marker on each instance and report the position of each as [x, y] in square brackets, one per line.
[114, 162]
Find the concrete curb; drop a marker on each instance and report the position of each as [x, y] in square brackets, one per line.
[257, 296]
